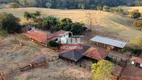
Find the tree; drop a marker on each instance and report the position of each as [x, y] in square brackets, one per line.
[82, 6]
[91, 19]
[27, 15]
[23, 2]
[77, 28]
[14, 5]
[37, 13]
[50, 23]
[106, 8]
[135, 14]
[31, 3]
[102, 70]
[138, 24]
[9, 22]
[48, 5]
[65, 24]
[137, 42]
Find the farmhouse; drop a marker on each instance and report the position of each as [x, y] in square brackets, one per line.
[136, 61]
[109, 42]
[43, 37]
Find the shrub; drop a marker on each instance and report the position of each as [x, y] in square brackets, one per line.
[106, 8]
[138, 24]
[3, 33]
[134, 51]
[137, 42]
[14, 5]
[119, 10]
[135, 14]
[15, 41]
[53, 44]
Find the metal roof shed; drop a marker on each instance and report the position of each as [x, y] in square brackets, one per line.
[109, 41]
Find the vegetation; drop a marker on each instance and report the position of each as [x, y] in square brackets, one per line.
[53, 44]
[32, 16]
[102, 70]
[106, 8]
[53, 24]
[9, 23]
[14, 5]
[137, 42]
[134, 51]
[135, 14]
[136, 46]
[73, 4]
[138, 24]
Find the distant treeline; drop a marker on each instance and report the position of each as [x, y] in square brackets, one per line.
[74, 4]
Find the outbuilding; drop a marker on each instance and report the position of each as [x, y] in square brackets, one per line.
[109, 42]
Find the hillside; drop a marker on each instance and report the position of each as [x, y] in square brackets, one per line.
[104, 22]
[132, 8]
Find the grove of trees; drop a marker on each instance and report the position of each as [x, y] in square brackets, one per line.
[73, 4]
[53, 24]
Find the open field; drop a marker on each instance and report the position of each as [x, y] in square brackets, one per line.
[12, 55]
[132, 8]
[105, 23]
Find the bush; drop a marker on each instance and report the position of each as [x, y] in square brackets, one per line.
[138, 24]
[9, 23]
[134, 51]
[135, 14]
[14, 5]
[137, 42]
[3, 33]
[119, 10]
[106, 8]
[53, 44]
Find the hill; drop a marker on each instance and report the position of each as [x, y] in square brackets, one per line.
[132, 8]
[113, 25]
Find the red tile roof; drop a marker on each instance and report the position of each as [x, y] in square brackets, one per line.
[38, 35]
[43, 36]
[136, 59]
[96, 53]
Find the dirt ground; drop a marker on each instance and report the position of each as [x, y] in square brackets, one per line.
[12, 55]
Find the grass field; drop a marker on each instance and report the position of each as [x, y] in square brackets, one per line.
[111, 24]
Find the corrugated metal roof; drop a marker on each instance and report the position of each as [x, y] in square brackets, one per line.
[108, 41]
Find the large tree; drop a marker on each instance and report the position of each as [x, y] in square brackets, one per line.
[9, 22]
[102, 70]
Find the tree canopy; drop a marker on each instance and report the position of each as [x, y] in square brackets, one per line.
[74, 4]
[102, 70]
[9, 22]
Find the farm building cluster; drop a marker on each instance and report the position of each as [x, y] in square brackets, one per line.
[103, 45]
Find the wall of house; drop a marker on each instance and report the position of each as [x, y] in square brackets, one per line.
[64, 38]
